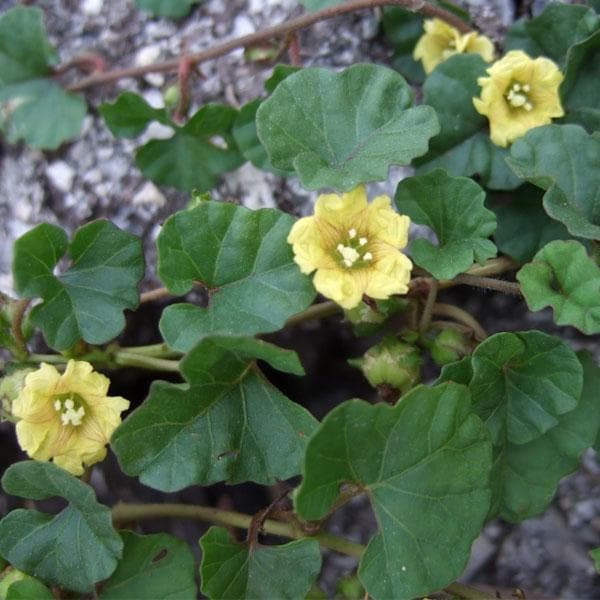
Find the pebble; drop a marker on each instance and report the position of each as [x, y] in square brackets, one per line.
[61, 175]
[92, 8]
[149, 194]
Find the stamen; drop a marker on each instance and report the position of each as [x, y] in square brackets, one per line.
[516, 87]
[368, 256]
[352, 233]
[528, 106]
[57, 405]
[362, 241]
[69, 404]
[348, 262]
[526, 88]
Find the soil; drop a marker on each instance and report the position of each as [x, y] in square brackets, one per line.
[95, 177]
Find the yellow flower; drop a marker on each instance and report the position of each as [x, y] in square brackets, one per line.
[520, 93]
[354, 247]
[441, 41]
[67, 417]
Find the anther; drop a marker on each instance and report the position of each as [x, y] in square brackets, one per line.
[352, 233]
[368, 256]
[362, 241]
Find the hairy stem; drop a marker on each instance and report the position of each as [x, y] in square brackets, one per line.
[489, 283]
[281, 30]
[316, 311]
[156, 294]
[429, 303]
[123, 513]
[462, 316]
[20, 308]
[155, 350]
[130, 359]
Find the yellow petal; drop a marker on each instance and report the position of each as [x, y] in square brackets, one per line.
[308, 246]
[390, 275]
[385, 224]
[346, 288]
[341, 212]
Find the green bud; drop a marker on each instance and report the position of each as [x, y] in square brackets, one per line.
[349, 588]
[10, 388]
[391, 362]
[171, 96]
[449, 346]
[367, 320]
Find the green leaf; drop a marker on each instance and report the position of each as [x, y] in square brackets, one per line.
[228, 423]
[552, 32]
[243, 258]
[341, 129]
[25, 52]
[565, 161]
[563, 276]
[280, 72]
[130, 114]
[424, 464]
[579, 90]
[403, 28]
[523, 225]
[29, 589]
[190, 159]
[87, 300]
[522, 382]
[73, 549]
[526, 476]
[232, 571]
[463, 146]
[453, 207]
[41, 113]
[174, 9]
[153, 566]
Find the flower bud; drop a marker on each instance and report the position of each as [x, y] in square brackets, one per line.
[171, 96]
[449, 346]
[391, 362]
[10, 387]
[367, 320]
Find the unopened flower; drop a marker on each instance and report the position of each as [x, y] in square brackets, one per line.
[520, 93]
[441, 41]
[67, 417]
[354, 247]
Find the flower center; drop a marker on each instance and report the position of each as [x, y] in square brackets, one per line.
[518, 97]
[71, 408]
[353, 250]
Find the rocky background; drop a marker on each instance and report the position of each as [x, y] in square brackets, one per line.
[95, 176]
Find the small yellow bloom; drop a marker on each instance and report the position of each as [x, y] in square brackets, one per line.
[354, 247]
[441, 41]
[520, 93]
[67, 417]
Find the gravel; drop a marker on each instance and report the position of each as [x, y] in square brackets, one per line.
[95, 177]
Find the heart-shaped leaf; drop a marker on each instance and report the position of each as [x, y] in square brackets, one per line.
[565, 161]
[153, 566]
[525, 476]
[228, 423]
[579, 90]
[424, 464]
[87, 300]
[463, 146]
[73, 549]
[244, 260]
[341, 129]
[563, 276]
[231, 570]
[553, 31]
[522, 382]
[453, 207]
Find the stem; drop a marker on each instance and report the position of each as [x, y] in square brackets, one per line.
[281, 30]
[52, 359]
[489, 283]
[20, 308]
[429, 303]
[123, 513]
[6, 416]
[130, 359]
[156, 294]
[316, 311]
[462, 316]
[155, 350]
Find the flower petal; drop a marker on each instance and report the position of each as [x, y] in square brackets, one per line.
[341, 212]
[390, 275]
[344, 287]
[385, 224]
